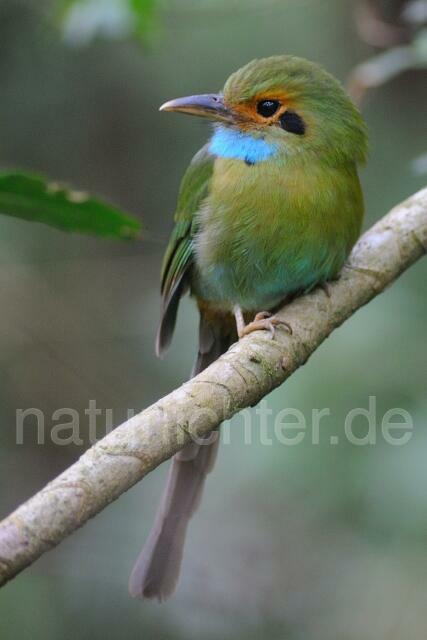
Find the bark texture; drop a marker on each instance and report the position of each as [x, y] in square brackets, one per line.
[240, 378]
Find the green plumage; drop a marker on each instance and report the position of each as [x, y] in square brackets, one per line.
[249, 234]
[269, 207]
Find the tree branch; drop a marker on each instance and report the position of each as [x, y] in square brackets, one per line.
[240, 378]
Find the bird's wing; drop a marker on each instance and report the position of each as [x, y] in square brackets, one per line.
[178, 257]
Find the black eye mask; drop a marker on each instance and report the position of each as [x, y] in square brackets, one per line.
[292, 122]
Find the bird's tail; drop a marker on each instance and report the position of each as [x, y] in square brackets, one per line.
[157, 568]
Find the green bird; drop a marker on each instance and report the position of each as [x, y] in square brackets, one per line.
[271, 206]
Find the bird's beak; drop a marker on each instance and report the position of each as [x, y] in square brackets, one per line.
[207, 105]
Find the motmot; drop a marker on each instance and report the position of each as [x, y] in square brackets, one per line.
[269, 208]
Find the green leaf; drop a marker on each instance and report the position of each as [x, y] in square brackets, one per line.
[33, 198]
[144, 16]
[85, 20]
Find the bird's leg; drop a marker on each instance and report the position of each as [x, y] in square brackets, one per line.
[263, 321]
[240, 321]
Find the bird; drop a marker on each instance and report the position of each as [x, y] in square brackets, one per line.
[268, 209]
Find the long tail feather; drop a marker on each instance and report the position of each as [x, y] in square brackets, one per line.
[157, 568]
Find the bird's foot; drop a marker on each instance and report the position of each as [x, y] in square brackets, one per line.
[264, 321]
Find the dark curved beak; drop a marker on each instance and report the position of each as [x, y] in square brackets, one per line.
[207, 105]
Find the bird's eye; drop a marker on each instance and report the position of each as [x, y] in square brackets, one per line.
[292, 122]
[267, 108]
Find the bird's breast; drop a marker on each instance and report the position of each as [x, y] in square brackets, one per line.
[272, 228]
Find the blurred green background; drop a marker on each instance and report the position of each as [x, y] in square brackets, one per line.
[300, 543]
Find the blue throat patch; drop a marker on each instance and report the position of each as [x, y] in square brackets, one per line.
[231, 143]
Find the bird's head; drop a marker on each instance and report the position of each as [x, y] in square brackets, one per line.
[290, 104]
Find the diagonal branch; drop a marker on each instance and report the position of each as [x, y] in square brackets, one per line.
[240, 378]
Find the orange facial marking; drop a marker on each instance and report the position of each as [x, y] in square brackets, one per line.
[248, 115]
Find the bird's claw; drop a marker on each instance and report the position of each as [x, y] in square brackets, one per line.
[326, 288]
[264, 321]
